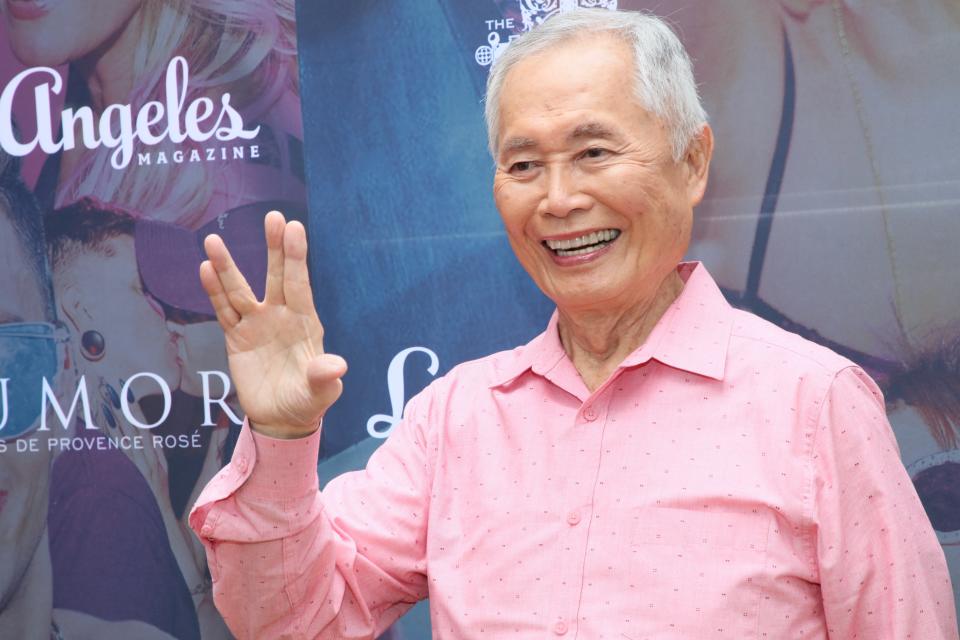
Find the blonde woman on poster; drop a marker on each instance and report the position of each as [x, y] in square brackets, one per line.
[120, 59]
[229, 58]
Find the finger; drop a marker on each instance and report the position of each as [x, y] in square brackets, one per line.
[235, 286]
[296, 275]
[227, 316]
[126, 429]
[135, 453]
[162, 463]
[323, 376]
[273, 225]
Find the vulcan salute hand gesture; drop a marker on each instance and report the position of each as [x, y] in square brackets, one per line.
[284, 380]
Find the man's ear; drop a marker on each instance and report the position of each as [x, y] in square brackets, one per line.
[697, 160]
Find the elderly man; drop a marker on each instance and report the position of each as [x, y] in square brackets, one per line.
[656, 464]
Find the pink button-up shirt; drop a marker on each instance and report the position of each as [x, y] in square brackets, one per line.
[730, 480]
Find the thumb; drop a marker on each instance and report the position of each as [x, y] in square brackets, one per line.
[323, 370]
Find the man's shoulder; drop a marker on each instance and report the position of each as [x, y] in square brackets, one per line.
[469, 381]
[756, 341]
[488, 371]
[466, 388]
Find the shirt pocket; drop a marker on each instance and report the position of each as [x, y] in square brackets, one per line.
[698, 573]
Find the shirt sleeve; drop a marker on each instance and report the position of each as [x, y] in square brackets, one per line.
[289, 561]
[882, 571]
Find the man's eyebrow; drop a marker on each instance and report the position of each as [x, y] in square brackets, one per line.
[585, 130]
[591, 130]
[518, 143]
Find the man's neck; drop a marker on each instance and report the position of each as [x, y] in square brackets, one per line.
[597, 341]
[27, 615]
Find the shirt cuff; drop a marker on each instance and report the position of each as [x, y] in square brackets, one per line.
[279, 469]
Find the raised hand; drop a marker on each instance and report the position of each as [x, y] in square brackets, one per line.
[284, 380]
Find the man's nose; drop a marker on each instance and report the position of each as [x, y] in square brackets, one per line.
[564, 193]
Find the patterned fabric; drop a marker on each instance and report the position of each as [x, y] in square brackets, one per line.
[730, 480]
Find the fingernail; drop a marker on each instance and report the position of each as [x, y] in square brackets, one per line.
[108, 416]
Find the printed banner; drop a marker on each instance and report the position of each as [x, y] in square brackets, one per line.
[128, 131]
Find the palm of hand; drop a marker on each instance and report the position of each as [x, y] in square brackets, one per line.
[269, 353]
[284, 380]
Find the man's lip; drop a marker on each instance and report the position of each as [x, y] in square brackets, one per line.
[27, 9]
[573, 261]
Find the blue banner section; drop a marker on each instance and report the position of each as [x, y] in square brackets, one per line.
[407, 248]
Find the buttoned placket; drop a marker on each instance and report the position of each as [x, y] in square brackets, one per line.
[577, 512]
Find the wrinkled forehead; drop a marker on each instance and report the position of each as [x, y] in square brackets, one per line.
[21, 291]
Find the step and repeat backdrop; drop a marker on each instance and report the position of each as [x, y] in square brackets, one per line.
[129, 130]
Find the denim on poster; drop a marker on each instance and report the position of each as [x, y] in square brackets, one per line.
[407, 247]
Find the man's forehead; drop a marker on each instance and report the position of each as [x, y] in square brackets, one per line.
[570, 66]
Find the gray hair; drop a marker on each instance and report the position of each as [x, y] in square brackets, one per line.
[663, 74]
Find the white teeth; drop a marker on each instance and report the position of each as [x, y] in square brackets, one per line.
[582, 244]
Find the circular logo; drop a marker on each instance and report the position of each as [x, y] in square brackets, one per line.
[483, 55]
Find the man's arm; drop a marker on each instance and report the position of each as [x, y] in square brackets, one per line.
[286, 561]
[882, 571]
[290, 561]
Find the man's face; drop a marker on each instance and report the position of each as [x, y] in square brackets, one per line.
[595, 208]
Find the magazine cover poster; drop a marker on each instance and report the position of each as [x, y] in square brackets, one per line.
[128, 131]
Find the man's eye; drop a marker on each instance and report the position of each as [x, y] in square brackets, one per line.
[521, 167]
[595, 152]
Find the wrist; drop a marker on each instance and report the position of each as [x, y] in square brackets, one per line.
[284, 432]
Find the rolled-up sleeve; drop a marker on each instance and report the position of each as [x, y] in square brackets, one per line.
[882, 571]
[289, 561]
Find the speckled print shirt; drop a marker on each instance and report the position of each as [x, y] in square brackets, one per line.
[730, 480]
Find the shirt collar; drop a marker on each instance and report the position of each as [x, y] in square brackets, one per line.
[692, 335]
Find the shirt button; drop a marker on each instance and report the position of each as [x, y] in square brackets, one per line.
[590, 414]
[206, 531]
[242, 464]
[573, 518]
[560, 628]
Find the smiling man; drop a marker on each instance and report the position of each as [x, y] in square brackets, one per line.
[655, 464]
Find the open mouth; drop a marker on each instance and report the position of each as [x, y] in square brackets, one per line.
[582, 245]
